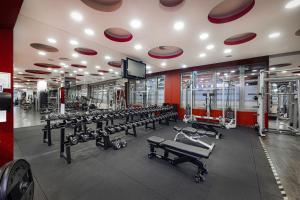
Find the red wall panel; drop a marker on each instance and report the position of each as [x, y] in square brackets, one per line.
[6, 65]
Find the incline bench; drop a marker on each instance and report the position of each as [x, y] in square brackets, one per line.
[184, 153]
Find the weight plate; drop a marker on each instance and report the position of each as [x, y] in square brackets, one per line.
[17, 182]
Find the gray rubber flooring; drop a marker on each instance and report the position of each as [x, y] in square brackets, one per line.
[237, 169]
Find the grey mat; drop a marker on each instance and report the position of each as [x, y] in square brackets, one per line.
[237, 169]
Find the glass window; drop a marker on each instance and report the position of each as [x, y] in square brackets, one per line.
[186, 84]
[151, 91]
[160, 90]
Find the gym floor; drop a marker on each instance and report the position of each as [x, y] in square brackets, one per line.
[237, 169]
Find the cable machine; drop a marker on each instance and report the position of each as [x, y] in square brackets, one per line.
[292, 94]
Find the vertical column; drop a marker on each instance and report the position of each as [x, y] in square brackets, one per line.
[242, 88]
[6, 65]
[62, 100]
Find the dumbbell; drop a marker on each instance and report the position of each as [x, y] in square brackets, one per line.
[84, 137]
[73, 139]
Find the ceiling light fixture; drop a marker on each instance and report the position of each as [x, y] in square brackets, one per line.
[202, 55]
[210, 47]
[89, 31]
[274, 35]
[111, 70]
[49, 69]
[107, 57]
[254, 70]
[148, 67]
[75, 55]
[138, 47]
[83, 62]
[149, 72]
[136, 23]
[283, 71]
[51, 40]
[292, 4]
[272, 68]
[183, 66]
[80, 70]
[55, 71]
[86, 73]
[74, 71]
[97, 67]
[74, 42]
[232, 71]
[42, 53]
[163, 64]
[203, 36]
[179, 25]
[116, 73]
[76, 16]
[227, 51]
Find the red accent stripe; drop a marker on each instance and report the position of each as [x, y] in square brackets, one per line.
[118, 39]
[240, 41]
[165, 57]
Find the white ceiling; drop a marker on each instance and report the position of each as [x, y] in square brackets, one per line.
[39, 20]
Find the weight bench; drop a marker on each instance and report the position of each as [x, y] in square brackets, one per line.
[184, 153]
[208, 127]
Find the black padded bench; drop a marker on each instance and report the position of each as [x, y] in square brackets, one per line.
[184, 153]
[207, 126]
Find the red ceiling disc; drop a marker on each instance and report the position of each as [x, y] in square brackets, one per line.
[79, 75]
[46, 65]
[116, 64]
[103, 71]
[170, 3]
[240, 38]
[118, 34]
[230, 10]
[78, 66]
[34, 71]
[43, 47]
[86, 51]
[103, 5]
[165, 52]
[95, 74]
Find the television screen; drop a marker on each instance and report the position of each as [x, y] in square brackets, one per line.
[134, 69]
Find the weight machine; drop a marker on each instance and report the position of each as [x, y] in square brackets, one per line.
[294, 105]
[228, 118]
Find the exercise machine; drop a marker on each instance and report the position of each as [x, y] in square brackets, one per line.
[192, 135]
[293, 95]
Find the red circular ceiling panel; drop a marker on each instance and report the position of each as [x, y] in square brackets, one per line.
[170, 3]
[103, 71]
[281, 65]
[116, 64]
[33, 78]
[34, 71]
[240, 38]
[46, 65]
[86, 51]
[118, 34]
[103, 5]
[230, 10]
[165, 52]
[95, 74]
[79, 75]
[78, 66]
[43, 47]
[297, 33]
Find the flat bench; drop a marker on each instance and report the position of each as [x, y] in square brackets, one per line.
[184, 153]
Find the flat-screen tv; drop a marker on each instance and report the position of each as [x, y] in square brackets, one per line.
[134, 69]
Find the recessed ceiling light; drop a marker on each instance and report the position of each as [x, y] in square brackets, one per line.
[202, 55]
[74, 42]
[149, 72]
[49, 69]
[61, 72]
[71, 74]
[101, 73]
[178, 25]
[232, 71]
[89, 31]
[97, 67]
[218, 73]
[76, 16]
[80, 70]
[116, 73]
[283, 71]
[83, 62]
[86, 73]
[252, 74]
[254, 70]
[183, 66]
[55, 71]
[51, 40]
[148, 67]
[75, 55]
[107, 57]
[111, 70]
[66, 66]
[42, 53]
[135, 23]
[245, 76]
[292, 4]
[62, 64]
[210, 46]
[227, 50]
[272, 68]
[203, 36]
[163, 64]
[274, 35]
[74, 71]
[138, 46]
